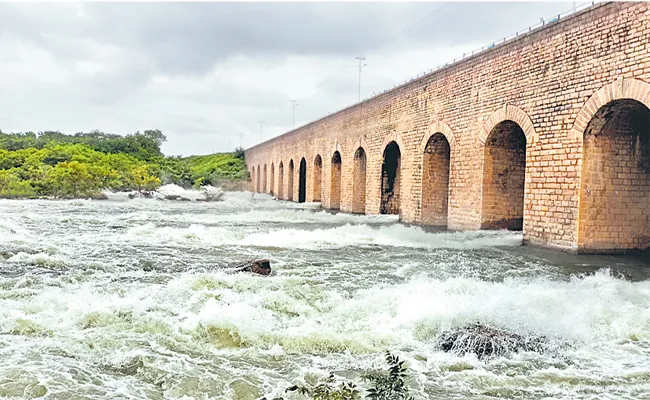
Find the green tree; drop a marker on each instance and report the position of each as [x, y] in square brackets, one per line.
[156, 135]
[143, 179]
[71, 178]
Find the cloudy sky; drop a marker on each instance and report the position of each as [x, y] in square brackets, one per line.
[206, 73]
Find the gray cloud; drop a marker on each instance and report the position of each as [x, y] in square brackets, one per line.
[204, 72]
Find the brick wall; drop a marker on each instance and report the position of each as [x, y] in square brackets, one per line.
[290, 176]
[280, 189]
[550, 83]
[335, 179]
[435, 181]
[271, 189]
[391, 179]
[317, 172]
[504, 172]
[614, 212]
[359, 182]
[264, 181]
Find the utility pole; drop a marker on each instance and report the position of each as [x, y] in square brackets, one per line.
[261, 129]
[360, 58]
[293, 105]
[240, 139]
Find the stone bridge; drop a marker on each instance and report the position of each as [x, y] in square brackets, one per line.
[548, 133]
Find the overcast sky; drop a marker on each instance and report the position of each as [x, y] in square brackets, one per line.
[205, 72]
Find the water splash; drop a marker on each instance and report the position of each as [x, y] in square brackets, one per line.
[131, 297]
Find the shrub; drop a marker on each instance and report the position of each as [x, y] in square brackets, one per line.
[385, 385]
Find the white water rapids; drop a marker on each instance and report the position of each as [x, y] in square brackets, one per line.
[130, 300]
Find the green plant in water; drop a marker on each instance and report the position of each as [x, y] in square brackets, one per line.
[391, 384]
[329, 390]
[385, 385]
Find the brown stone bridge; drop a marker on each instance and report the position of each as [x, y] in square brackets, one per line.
[548, 132]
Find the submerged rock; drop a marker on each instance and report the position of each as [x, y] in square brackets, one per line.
[260, 267]
[485, 341]
[98, 196]
[143, 194]
[6, 254]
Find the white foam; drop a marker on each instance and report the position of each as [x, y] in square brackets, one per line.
[347, 235]
[206, 192]
[308, 318]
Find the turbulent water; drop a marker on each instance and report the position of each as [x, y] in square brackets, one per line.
[133, 300]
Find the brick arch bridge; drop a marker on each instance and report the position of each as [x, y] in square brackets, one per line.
[548, 133]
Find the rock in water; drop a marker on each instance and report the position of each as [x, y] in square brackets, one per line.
[485, 341]
[260, 267]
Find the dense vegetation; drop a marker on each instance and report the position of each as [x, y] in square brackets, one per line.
[59, 165]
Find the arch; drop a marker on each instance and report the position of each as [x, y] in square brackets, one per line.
[359, 181]
[435, 180]
[302, 181]
[622, 88]
[252, 173]
[614, 212]
[335, 181]
[438, 127]
[264, 189]
[392, 137]
[281, 181]
[504, 177]
[290, 181]
[391, 179]
[360, 142]
[318, 174]
[257, 181]
[271, 187]
[509, 113]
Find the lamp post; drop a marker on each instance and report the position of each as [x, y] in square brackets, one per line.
[360, 67]
[293, 106]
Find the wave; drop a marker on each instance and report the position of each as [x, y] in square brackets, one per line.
[606, 320]
[42, 259]
[168, 190]
[341, 236]
[10, 231]
[585, 311]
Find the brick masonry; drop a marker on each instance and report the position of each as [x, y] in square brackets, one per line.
[572, 91]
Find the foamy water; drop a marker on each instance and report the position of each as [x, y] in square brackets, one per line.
[131, 299]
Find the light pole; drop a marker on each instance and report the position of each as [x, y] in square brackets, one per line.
[360, 58]
[261, 129]
[293, 105]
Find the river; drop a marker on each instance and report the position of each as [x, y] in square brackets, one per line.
[131, 300]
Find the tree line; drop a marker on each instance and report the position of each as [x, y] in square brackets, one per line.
[55, 164]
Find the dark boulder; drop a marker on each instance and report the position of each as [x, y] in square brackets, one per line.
[143, 194]
[485, 341]
[260, 267]
[98, 196]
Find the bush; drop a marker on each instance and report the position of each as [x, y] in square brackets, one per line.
[385, 385]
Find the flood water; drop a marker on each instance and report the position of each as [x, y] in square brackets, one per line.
[132, 300]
